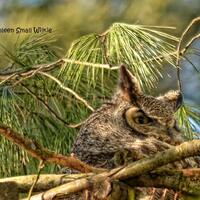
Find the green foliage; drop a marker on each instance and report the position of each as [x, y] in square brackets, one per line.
[38, 106]
[189, 119]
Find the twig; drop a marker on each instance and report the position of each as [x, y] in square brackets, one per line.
[102, 39]
[190, 43]
[76, 125]
[191, 63]
[179, 47]
[46, 106]
[68, 90]
[30, 72]
[40, 167]
[37, 151]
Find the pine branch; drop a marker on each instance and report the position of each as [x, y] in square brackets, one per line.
[27, 73]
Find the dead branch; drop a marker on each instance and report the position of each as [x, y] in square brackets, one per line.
[37, 151]
[45, 181]
[176, 153]
[194, 21]
[186, 180]
[135, 169]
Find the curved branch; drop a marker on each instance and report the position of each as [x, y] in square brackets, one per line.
[68, 90]
[194, 21]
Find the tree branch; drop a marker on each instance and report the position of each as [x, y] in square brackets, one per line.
[137, 168]
[68, 90]
[176, 153]
[37, 151]
[186, 180]
[194, 21]
[29, 72]
[50, 109]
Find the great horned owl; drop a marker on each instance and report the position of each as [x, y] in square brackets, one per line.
[132, 121]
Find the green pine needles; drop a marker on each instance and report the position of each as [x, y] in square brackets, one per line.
[46, 98]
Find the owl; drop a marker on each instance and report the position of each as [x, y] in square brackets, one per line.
[132, 122]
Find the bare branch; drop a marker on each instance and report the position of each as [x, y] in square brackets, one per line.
[68, 90]
[45, 181]
[190, 43]
[135, 169]
[179, 47]
[186, 180]
[40, 167]
[29, 72]
[37, 151]
[184, 150]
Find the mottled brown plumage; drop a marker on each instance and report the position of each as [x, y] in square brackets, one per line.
[133, 122]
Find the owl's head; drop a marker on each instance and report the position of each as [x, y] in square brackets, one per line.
[143, 113]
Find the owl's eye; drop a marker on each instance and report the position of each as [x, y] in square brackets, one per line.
[142, 120]
[135, 116]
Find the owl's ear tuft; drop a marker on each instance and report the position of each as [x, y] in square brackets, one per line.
[175, 98]
[129, 85]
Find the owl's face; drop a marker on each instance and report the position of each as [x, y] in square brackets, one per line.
[147, 115]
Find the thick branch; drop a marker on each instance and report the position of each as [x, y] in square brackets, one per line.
[184, 150]
[37, 151]
[45, 181]
[187, 180]
[179, 180]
